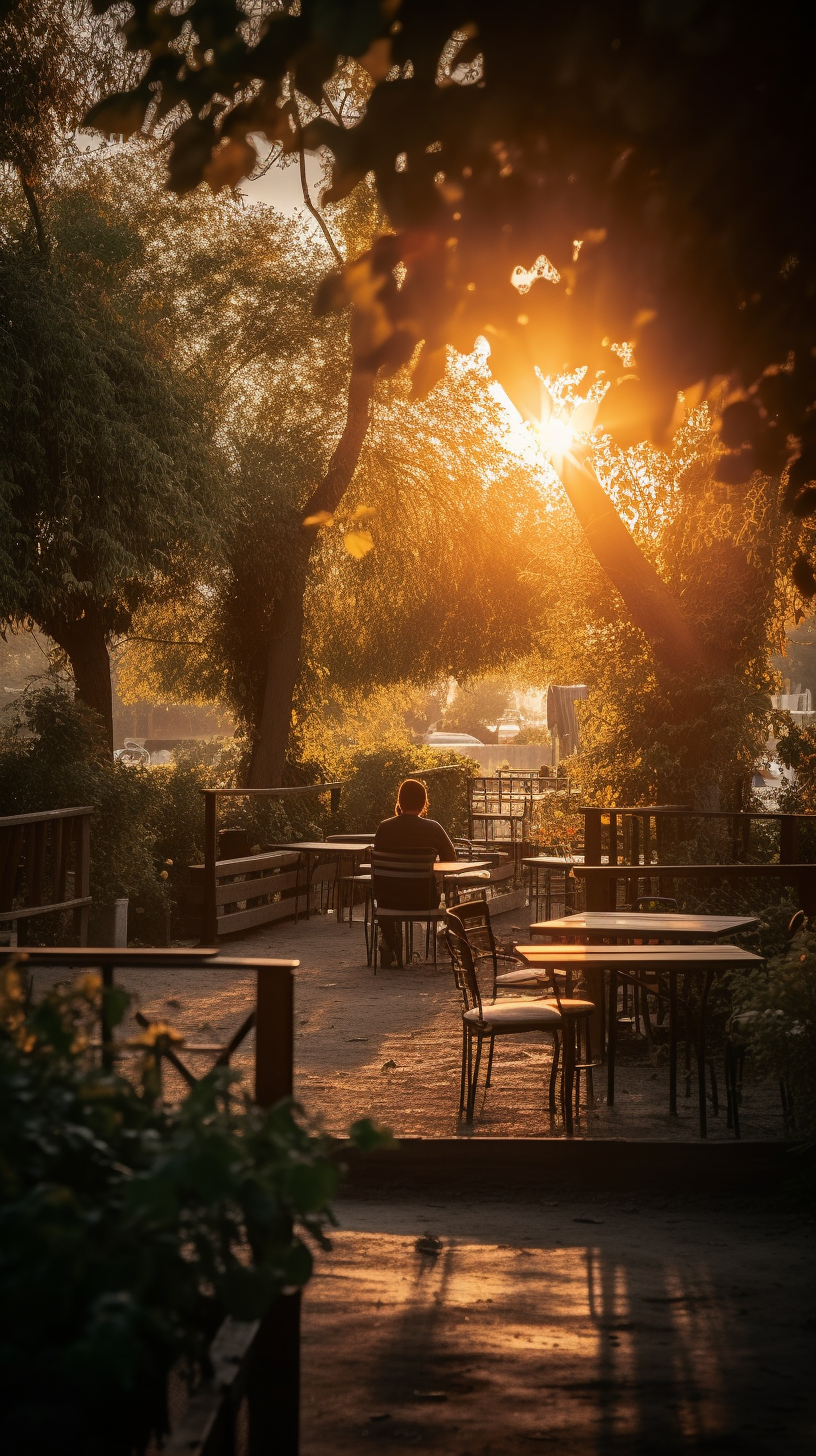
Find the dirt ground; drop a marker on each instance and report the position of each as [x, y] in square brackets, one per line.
[637, 1326]
[389, 1045]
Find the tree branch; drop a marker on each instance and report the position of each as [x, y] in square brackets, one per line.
[329, 493]
[304, 186]
[36, 215]
[648, 601]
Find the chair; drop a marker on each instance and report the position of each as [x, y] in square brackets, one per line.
[472, 920]
[405, 892]
[504, 1018]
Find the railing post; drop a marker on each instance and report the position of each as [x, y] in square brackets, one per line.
[209, 935]
[787, 839]
[274, 1034]
[82, 876]
[592, 837]
[274, 1381]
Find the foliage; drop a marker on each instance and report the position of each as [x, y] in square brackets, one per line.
[52, 757]
[375, 775]
[106, 472]
[647, 735]
[777, 1015]
[129, 1229]
[623, 140]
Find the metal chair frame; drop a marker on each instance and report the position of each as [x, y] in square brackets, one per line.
[417, 869]
[467, 982]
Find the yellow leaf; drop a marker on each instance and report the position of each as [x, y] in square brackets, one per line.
[358, 543]
[322, 518]
[363, 513]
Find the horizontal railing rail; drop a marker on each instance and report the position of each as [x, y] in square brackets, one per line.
[647, 834]
[602, 881]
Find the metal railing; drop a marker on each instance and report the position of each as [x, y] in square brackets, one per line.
[255, 1375]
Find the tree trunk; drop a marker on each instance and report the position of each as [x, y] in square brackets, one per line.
[283, 657]
[83, 640]
[648, 601]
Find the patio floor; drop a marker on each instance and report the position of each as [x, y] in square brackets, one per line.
[635, 1326]
[388, 1046]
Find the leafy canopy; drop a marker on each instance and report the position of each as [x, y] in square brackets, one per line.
[561, 179]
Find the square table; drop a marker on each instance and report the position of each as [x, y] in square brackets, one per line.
[622, 925]
[633, 961]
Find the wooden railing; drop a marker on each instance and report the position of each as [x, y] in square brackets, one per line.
[45, 863]
[255, 1366]
[210, 881]
[647, 834]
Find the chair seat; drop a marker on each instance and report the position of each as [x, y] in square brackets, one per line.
[523, 978]
[515, 1016]
[570, 1005]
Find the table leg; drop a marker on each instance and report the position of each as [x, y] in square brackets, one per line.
[611, 1036]
[701, 1052]
[673, 1043]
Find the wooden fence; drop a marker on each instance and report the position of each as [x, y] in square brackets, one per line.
[45, 863]
[273, 876]
[251, 1400]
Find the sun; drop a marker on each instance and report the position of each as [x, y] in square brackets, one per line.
[556, 436]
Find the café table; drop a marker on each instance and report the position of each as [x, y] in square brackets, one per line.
[312, 849]
[622, 925]
[449, 870]
[631, 963]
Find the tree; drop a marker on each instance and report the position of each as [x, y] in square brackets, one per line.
[106, 471]
[573, 185]
[560, 178]
[421, 573]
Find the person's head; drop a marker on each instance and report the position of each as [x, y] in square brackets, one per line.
[412, 798]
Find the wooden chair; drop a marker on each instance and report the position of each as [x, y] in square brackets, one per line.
[503, 1018]
[405, 892]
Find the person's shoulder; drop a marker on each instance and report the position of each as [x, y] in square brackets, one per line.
[393, 819]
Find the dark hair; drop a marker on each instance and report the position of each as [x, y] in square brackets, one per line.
[412, 798]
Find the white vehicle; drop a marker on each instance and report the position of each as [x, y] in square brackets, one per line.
[452, 740]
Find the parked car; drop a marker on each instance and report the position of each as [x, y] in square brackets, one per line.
[451, 740]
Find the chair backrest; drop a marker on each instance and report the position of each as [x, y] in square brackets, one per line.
[649, 903]
[403, 881]
[464, 969]
[473, 922]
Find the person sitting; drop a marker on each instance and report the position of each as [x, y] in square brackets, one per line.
[409, 831]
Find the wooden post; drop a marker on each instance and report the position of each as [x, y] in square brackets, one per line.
[787, 839]
[592, 836]
[209, 928]
[106, 1028]
[274, 1032]
[334, 801]
[274, 1380]
[82, 876]
[613, 838]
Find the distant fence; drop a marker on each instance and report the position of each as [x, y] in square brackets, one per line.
[45, 861]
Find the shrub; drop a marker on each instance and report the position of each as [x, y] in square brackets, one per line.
[128, 1230]
[373, 777]
[781, 1025]
[51, 757]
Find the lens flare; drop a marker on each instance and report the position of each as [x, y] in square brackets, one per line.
[556, 436]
